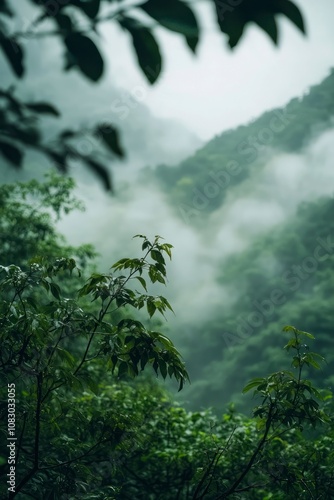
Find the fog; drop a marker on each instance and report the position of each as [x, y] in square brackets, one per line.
[260, 203]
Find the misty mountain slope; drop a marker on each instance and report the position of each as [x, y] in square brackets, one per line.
[199, 184]
[266, 225]
[285, 277]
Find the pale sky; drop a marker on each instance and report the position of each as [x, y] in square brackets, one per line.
[215, 90]
[218, 88]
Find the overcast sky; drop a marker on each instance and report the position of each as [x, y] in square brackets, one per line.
[215, 90]
[218, 89]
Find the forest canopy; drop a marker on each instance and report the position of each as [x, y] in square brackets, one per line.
[88, 426]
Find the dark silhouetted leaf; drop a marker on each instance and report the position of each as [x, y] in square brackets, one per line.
[85, 55]
[109, 135]
[122, 368]
[101, 172]
[163, 368]
[28, 135]
[232, 20]
[268, 24]
[55, 290]
[174, 15]
[11, 153]
[150, 308]
[146, 48]
[89, 7]
[58, 158]
[43, 108]
[67, 134]
[64, 22]
[4, 9]
[14, 54]
[292, 12]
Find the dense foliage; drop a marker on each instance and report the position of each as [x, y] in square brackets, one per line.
[88, 426]
[56, 349]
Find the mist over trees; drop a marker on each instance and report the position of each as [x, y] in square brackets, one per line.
[101, 325]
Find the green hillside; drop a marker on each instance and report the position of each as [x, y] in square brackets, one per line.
[199, 184]
[285, 277]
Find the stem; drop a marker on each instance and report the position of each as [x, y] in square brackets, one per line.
[209, 470]
[234, 486]
[21, 438]
[104, 311]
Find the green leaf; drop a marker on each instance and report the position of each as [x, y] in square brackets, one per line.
[292, 343]
[14, 54]
[166, 303]
[45, 284]
[43, 108]
[146, 48]
[170, 370]
[176, 16]
[160, 278]
[157, 256]
[13, 154]
[151, 308]
[31, 302]
[289, 328]
[160, 268]
[163, 368]
[146, 245]
[122, 368]
[66, 357]
[120, 264]
[85, 55]
[110, 137]
[152, 274]
[143, 282]
[55, 290]
[305, 334]
[143, 360]
[256, 382]
[167, 248]
[309, 359]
